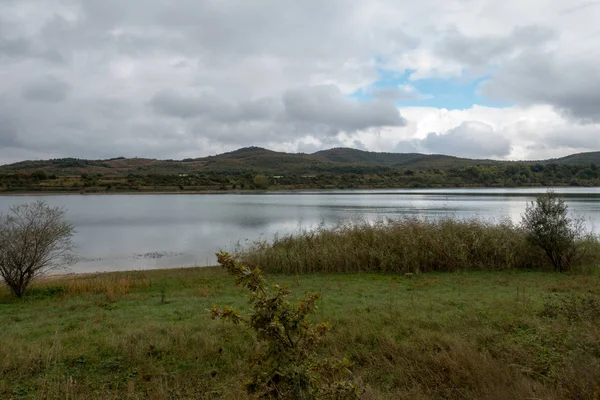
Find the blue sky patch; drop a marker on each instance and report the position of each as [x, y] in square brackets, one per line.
[452, 93]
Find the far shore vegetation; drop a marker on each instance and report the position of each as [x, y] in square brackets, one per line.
[255, 168]
[400, 309]
[466, 177]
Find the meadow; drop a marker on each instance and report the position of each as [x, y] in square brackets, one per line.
[148, 334]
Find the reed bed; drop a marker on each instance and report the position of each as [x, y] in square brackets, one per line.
[406, 245]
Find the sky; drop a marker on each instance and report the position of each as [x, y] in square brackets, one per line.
[175, 79]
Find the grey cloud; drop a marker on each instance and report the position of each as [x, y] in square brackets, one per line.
[251, 133]
[171, 103]
[17, 44]
[357, 144]
[580, 7]
[469, 139]
[251, 54]
[121, 55]
[308, 148]
[305, 30]
[260, 109]
[8, 132]
[408, 146]
[321, 111]
[18, 47]
[572, 86]
[527, 73]
[22, 49]
[484, 49]
[326, 105]
[564, 140]
[47, 89]
[174, 104]
[243, 27]
[575, 137]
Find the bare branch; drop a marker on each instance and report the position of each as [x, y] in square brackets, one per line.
[34, 239]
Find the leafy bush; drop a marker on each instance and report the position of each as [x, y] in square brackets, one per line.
[261, 182]
[550, 227]
[287, 366]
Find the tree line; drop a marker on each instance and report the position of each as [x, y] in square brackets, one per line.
[348, 177]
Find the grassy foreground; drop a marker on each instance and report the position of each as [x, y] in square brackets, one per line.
[136, 335]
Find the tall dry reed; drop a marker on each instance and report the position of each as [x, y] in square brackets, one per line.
[399, 246]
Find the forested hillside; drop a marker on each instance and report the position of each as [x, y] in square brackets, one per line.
[257, 168]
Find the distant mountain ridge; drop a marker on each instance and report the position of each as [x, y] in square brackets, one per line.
[257, 159]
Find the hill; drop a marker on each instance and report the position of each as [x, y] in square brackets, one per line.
[338, 168]
[579, 158]
[354, 156]
[259, 160]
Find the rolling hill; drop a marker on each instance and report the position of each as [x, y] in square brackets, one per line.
[260, 160]
[577, 159]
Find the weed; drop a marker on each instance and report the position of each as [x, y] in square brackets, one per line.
[574, 307]
[163, 293]
[287, 366]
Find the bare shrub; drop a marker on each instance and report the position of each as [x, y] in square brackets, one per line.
[34, 240]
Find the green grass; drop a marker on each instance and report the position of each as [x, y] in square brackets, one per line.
[137, 335]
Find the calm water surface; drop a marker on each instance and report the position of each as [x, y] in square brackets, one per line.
[120, 232]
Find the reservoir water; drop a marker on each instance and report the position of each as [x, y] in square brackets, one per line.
[124, 232]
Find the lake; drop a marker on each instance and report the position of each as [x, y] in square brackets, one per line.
[124, 232]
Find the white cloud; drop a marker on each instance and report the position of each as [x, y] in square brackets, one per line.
[535, 132]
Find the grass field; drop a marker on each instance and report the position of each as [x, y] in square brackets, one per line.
[137, 335]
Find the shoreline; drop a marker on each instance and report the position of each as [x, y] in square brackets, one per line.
[66, 275]
[283, 191]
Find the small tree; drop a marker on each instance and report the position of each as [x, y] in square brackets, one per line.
[261, 182]
[288, 366]
[34, 239]
[550, 227]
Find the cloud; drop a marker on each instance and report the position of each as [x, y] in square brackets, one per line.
[187, 106]
[93, 79]
[169, 102]
[327, 106]
[482, 50]
[8, 132]
[534, 132]
[469, 139]
[47, 89]
[570, 85]
[320, 111]
[15, 49]
[575, 137]
[580, 7]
